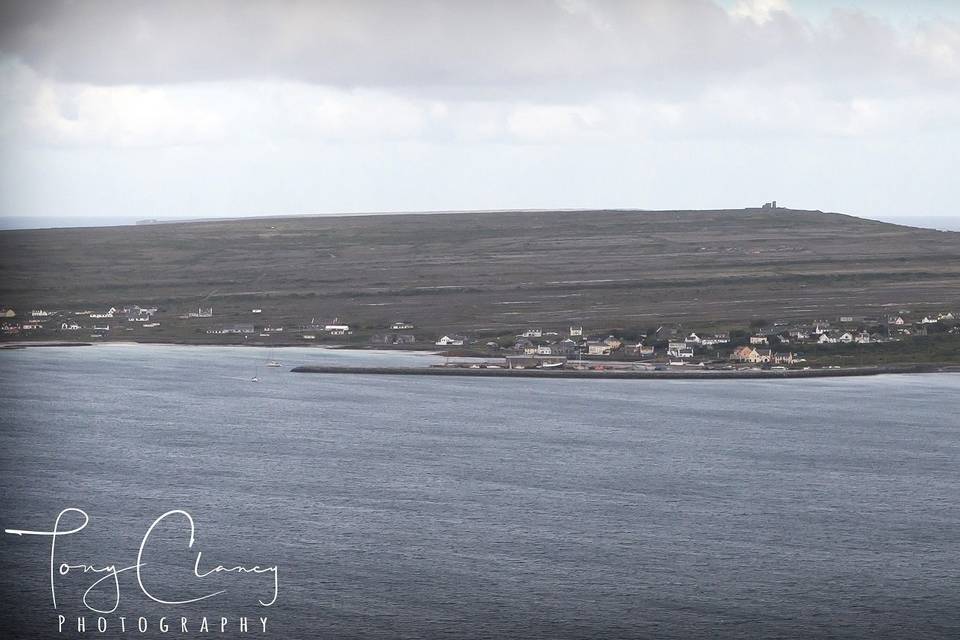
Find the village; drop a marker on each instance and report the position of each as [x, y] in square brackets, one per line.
[765, 344]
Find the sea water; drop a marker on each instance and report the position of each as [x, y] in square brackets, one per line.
[418, 507]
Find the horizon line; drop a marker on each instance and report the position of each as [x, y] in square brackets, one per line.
[20, 223]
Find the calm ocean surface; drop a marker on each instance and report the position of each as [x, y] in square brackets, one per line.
[411, 507]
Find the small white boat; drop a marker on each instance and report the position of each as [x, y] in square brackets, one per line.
[255, 379]
[273, 363]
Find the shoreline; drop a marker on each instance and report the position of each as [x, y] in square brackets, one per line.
[552, 374]
[44, 343]
[629, 375]
[25, 344]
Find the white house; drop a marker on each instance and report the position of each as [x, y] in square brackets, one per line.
[717, 338]
[576, 331]
[135, 308]
[400, 326]
[759, 340]
[450, 341]
[233, 328]
[681, 352]
[598, 348]
[533, 333]
[337, 329]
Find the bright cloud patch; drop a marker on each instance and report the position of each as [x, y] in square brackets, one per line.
[438, 88]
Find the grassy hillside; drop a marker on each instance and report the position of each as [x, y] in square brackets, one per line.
[494, 271]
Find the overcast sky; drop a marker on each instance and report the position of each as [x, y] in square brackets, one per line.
[125, 110]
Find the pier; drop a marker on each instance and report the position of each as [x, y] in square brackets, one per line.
[552, 374]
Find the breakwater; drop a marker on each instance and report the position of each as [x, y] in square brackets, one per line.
[619, 374]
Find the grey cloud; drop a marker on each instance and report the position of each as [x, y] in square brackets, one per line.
[490, 48]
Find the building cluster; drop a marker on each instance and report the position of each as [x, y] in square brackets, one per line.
[764, 343]
[774, 343]
[397, 335]
[756, 355]
[855, 329]
[665, 341]
[98, 322]
[103, 323]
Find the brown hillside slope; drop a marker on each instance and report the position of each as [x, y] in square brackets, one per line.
[497, 270]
